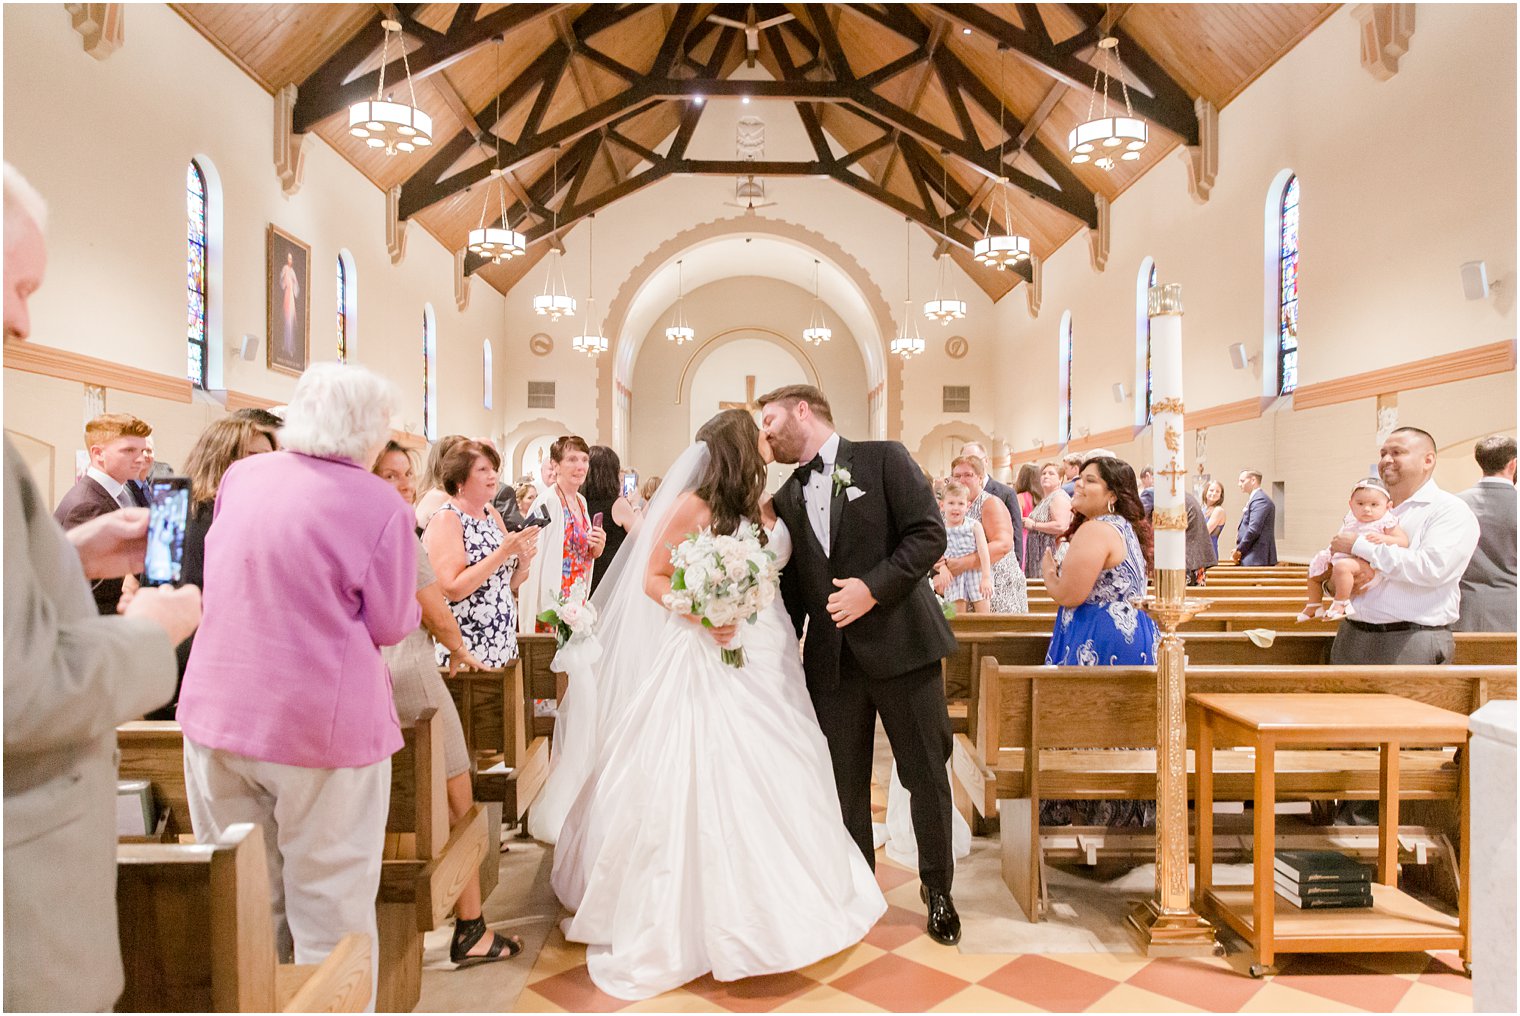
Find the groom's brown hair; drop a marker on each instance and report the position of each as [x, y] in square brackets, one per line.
[790, 395]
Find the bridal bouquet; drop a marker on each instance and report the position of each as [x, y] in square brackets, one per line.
[723, 580]
[574, 623]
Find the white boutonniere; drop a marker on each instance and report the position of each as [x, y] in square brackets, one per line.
[841, 479]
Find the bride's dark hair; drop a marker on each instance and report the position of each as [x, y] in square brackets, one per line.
[735, 477]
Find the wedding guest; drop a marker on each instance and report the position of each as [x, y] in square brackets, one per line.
[286, 708]
[1408, 615]
[569, 543]
[1199, 554]
[964, 536]
[1072, 463]
[430, 492]
[1026, 485]
[1213, 503]
[116, 442]
[604, 498]
[478, 563]
[526, 495]
[269, 421]
[417, 688]
[70, 677]
[221, 444]
[1107, 559]
[1488, 585]
[1009, 589]
[138, 485]
[1256, 537]
[1147, 478]
[647, 490]
[1049, 520]
[1003, 493]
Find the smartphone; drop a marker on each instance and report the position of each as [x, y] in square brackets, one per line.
[596, 521]
[630, 483]
[168, 515]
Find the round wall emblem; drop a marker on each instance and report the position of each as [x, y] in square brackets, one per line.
[541, 344]
[956, 347]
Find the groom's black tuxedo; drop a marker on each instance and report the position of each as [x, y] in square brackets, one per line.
[887, 663]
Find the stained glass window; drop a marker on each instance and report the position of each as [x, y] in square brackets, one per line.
[195, 274]
[1064, 422]
[342, 311]
[1287, 304]
[1150, 284]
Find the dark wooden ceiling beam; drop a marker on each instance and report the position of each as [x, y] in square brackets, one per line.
[828, 40]
[805, 110]
[328, 90]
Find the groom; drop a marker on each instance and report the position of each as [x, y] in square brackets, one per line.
[865, 534]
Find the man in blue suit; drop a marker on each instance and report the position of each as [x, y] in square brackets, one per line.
[1256, 539]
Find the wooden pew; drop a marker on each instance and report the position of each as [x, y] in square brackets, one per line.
[501, 728]
[1214, 620]
[197, 936]
[426, 860]
[1061, 733]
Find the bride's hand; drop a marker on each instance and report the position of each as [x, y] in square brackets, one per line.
[724, 635]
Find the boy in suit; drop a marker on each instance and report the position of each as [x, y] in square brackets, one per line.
[118, 444]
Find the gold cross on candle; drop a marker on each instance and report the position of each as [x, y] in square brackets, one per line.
[749, 397]
[1174, 473]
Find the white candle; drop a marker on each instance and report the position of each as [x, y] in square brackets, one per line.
[1170, 516]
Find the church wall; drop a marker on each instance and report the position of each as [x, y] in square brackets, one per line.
[1402, 181]
[662, 428]
[107, 144]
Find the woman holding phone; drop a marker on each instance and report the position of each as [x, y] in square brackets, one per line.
[609, 509]
[569, 543]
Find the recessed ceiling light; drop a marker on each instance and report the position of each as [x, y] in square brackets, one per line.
[699, 100]
[965, 31]
[745, 100]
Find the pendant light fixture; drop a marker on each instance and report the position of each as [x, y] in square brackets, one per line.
[496, 243]
[384, 123]
[941, 309]
[908, 343]
[555, 301]
[591, 341]
[1100, 138]
[680, 331]
[1001, 250]
[817, 331]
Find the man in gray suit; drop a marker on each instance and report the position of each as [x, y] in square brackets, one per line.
[1488, 585]
[71, 676]
[1256, 539]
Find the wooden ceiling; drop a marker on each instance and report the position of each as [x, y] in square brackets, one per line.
[892, 85]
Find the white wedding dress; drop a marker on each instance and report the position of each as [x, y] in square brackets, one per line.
[708, 836]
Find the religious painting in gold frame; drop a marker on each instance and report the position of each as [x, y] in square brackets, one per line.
[287, 344]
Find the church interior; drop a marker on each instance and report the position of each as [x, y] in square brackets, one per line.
[615, 220]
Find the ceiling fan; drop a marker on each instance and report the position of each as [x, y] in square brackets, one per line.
[751, 27]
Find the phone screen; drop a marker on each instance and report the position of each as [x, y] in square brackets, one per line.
[596, 521]
[630, 483]
[168, 514]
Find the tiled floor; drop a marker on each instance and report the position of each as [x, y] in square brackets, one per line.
[899, 969]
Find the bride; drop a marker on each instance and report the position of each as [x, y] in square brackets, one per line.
[707, 836]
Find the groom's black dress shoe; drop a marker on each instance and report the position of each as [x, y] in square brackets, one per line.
[944, 922]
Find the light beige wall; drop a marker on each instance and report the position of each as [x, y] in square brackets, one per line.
[107, 143]
[750, 310]
[1402, 181]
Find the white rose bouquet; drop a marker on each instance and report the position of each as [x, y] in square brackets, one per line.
[723, 580]
[574, 621]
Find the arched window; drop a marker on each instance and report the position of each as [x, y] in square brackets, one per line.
[1063, 381]
[488, 384]
[342, 311]
[1287, 295]
[1143, 285]
[429, 373]
[196, 272]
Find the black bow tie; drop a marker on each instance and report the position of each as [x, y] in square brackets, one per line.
[813, 465]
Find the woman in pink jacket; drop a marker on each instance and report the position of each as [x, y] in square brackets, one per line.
[286, 707]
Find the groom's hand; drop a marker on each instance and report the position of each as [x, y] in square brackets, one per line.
[850, 602]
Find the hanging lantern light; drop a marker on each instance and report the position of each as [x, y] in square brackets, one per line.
[1001, 249]
[908, 343]
[817, 331]
[496, 243]
[384, 123]
[941, 309]
[591, 341]
[680, 331]
[1100, 138]
[555, 301]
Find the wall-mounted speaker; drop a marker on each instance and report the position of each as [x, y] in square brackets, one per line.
[1238, 357]
[1475, 280]
[249, 347]
[1120, 392]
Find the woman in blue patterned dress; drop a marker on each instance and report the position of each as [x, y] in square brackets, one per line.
[1108, 554]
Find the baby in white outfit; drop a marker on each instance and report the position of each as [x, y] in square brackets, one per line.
[1370, 516]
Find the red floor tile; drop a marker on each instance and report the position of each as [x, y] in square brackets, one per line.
[1197, 984]
[1341, 979]
[899, 985]
[890, 876]
[1049, 984]
[1445, 971]
[896, 927]
[752, 994]
[574, 991]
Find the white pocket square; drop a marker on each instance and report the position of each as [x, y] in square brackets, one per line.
[853, 492]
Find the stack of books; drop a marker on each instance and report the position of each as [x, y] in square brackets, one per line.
[1323, 880]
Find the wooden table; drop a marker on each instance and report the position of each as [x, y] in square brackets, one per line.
[1396, 922]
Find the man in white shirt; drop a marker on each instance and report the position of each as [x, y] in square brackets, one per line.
[1488, 586]
[1407, 615]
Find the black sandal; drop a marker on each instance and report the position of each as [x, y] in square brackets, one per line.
[468, 933]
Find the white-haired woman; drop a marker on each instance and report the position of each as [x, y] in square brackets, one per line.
[286, 706]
